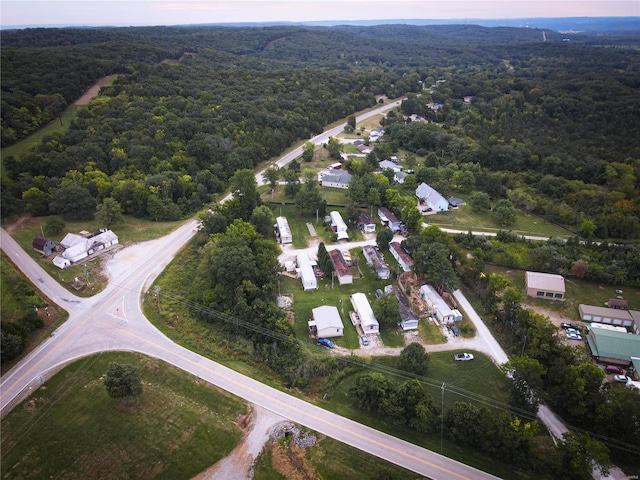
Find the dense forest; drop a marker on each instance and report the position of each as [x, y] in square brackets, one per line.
[550, 125]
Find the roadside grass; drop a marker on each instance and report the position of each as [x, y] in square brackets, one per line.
[13, 307]
[328, 458]
[480, 376]
[23, 146]
[464, 218]
[71, 428]
[577, 292]
[132, 230]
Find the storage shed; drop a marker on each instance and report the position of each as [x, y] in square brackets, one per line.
[326, 322]
[368, 320]
[43, 245]
[545, 285]
[61, 262]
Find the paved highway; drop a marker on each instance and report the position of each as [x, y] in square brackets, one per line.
[113, 320]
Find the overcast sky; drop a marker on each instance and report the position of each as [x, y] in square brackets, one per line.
[174, 12]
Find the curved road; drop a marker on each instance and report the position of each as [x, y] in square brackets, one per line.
[113, 320]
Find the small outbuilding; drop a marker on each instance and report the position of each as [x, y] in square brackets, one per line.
[545, 285]
[326, 322]
[44, 246]
[61, 262]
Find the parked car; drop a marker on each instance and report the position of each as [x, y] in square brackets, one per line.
[613, 369]
[462, 357]
[573, 330]
[621, 378]
[427, 209]
[365, 340]
[326, 342]
[577, 327]
[619, 292]
[565, 325]
[455, 330]
[574, 336]
[378, 293]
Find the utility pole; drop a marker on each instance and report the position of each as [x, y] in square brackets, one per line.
[157, 289]
[442, 419]
[86, 273]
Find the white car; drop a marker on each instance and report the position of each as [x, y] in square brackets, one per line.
[574, 336]
[462, 357]
[621, 378]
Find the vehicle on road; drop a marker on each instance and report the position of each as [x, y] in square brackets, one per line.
[365, 340]
[613, 369]
[463, 357]
[326, 342]
[574, 336]
[621, 378]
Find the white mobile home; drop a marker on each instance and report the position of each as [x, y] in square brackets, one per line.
[283, 232]
[326, 322]
[306, 273]
[338, 225]
[368, 320]
[442, 312]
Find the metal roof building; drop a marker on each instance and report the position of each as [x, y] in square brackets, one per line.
[368, 320]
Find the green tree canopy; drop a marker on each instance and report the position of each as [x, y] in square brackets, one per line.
[123, 381]
[414, 359]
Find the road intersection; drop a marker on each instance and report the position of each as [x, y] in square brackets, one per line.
[113, 321]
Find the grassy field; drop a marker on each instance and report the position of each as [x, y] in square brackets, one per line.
[328, 459]
[132, 230]
[577, 292]
[464, 218]
[481, 377]
[20, 148]
[17, 295]
[71, 428]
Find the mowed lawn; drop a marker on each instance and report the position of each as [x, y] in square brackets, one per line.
[131, 230]
[479, 381]
[71, 428]
[464, 218]
[577, 292]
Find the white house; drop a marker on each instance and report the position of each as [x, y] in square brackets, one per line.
[283, 232]
[81, 247]
[368, 320]
[306, 273]
[338, 225]
[441, 311]
[431, 198]
[400, 177]
[336, 179]
[327, 322]
[403, 258]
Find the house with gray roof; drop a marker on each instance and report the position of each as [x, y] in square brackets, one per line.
[431, 198]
